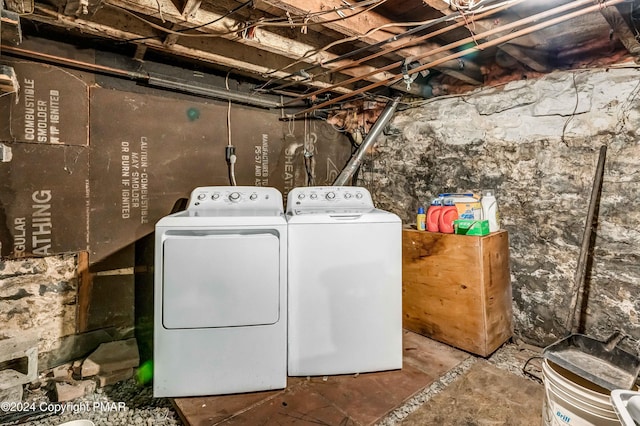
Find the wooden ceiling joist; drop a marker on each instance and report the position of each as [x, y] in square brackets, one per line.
[10, 30]
[224, 27]
[101, 30]
[360, 26]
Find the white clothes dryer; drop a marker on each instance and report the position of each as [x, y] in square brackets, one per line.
[220, 294]
[345, 283]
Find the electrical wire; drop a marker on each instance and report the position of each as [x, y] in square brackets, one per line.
[239, 29]
[465, 4]
[342, 41]
[309, 161]
[226, 85]
[418, 26]
[289, 21]
[226, 15]
[573, 114]
[232, 157]
[529, 374]
[493, 42]
[168, 30]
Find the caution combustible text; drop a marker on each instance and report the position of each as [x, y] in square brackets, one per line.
[134, 180]
[41, 114]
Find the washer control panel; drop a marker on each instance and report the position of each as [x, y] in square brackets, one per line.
[328, 198]
[235, 198]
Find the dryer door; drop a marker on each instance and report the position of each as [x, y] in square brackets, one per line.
[220, 280]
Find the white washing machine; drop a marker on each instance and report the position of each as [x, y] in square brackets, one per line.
[345, 283]
[220, 294]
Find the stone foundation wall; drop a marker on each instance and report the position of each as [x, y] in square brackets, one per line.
[536, 143]
[38, 295]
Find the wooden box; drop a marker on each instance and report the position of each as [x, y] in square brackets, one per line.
[457, 289]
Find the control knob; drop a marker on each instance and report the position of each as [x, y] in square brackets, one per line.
[253, 196]
[234, 196]
[201, 196]
[331, 195]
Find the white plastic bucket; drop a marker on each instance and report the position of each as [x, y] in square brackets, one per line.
[78, 423]
[572, 400]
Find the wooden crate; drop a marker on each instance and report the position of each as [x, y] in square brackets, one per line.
[457, 289]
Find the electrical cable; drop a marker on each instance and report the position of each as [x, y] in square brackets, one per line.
[244, 28]
[226, 15]
[573, 114]
[421, 26]
[309, 160]
[230, 150]
[289, 23]
[465, 4]
[170, 31]
[529, 374]
[336, 43]
[493, 42]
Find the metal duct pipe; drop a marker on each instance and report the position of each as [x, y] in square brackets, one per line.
[210, 91]
[152, 79]
[373, 134]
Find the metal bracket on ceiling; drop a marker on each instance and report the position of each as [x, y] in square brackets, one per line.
[407, 65]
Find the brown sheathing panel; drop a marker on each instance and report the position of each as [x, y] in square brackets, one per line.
[51, 106]
[43, 200]
[179, 141]
[149, 151]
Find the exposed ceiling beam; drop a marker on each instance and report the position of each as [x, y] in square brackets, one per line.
[187, 8]
[360, 26]
[190, 8]
[102, 30]
[214, 23]
[8, 80]
[439, 5]
[543, 19]
[10, 30]
[526, 49]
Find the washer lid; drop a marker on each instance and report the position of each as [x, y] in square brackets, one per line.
[328, 197]
[235, 201]
[341, 216]
[220, 280]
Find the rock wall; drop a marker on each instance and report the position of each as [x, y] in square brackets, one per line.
[536, 143]
[38, 296]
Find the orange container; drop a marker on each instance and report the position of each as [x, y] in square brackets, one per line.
[447, 215]
[433, 217]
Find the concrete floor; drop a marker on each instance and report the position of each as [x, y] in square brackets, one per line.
[438, 385]
[484, 395]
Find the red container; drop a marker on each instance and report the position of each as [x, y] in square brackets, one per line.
[433, 216]
[447, 215]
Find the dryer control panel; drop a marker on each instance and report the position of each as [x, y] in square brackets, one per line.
[235, 198]
[328, 197]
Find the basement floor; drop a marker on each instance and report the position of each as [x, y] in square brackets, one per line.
[438, 385]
